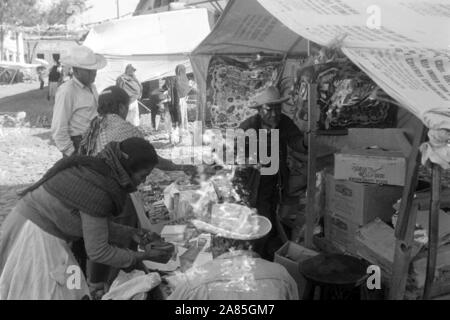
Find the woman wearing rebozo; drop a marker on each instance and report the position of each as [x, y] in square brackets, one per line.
[77, 198]
[110, 125]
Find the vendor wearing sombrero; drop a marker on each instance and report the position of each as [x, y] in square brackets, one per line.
[268, 190]
[236, 272]
[76, 100]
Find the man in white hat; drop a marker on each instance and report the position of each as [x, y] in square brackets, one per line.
[236, 272]
[268, 190]
[76, 99]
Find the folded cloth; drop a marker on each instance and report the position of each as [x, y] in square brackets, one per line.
[128, 286]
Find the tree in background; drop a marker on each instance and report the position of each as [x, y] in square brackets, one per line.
[62, 12]
[17, 13]
[28, 13]
[65, 11]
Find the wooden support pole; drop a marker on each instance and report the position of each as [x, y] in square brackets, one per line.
[411, 183]
[312, 153]
[404, 231]
[433, 237]
[16, 71]
[402, 258]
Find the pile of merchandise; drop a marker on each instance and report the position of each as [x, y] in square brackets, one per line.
[153, 194]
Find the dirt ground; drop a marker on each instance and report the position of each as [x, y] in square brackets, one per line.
[25, 153]
[25, 97]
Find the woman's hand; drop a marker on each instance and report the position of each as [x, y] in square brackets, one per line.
[160, 252]
[189, 170]
[143, 238]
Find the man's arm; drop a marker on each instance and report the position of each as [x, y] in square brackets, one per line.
[62, 112]
[295, 138]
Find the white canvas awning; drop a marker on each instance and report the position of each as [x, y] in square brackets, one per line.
[155, 44]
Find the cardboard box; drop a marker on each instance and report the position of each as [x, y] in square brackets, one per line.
[359, 140]
[371, 165]
[290, 255]
[360, 203]
[376, 243]
[341, 232]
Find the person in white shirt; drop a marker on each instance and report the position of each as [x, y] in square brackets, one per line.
[76, 100]
[236, 272]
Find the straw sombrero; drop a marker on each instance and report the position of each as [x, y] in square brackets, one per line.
[84, 58]
[270, 96]
[235, 221]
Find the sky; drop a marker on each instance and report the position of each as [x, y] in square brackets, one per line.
[103, 9]
[106, 9]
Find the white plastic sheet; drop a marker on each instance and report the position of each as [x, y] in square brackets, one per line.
[133, 285]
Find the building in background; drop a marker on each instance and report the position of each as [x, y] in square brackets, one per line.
[13, 47]
[47, 48]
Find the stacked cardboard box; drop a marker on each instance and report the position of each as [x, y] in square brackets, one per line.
[369, 175]
[290, 255]
[351, 205]
[360, 203]
[371, 165]
[373, 156]
[375, 242]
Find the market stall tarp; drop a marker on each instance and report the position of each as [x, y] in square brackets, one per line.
[402, 45]
[155, 44]
[245, 27]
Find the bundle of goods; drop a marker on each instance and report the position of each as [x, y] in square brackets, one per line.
[347, 97]
[157, 213]
[179, 198]
[153, 194]
[232, 81]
